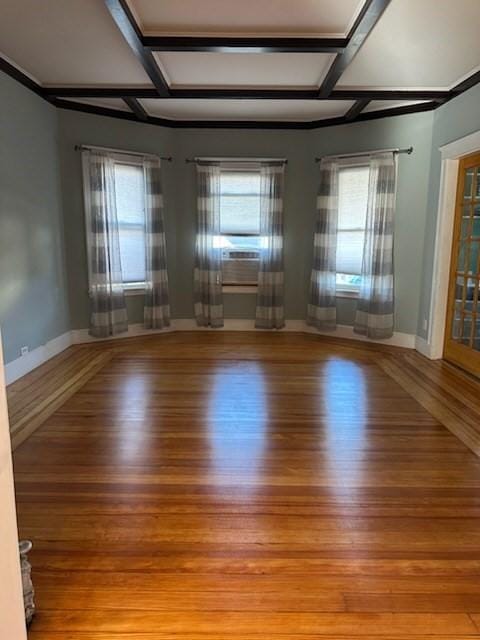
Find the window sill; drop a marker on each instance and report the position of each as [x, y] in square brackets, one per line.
[346, 293]
[239, 288]
[134, 289]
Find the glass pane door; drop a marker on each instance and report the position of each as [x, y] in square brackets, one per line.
[462, 340]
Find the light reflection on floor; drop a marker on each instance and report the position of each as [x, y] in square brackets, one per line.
[343, 400]
[132, 412]
[237, 412]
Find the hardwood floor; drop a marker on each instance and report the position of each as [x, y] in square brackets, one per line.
[253, 485]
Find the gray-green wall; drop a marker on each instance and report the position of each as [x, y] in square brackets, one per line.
[43, 273]
[452, 121]
[33, 292]
[300, 148]
[81, 128]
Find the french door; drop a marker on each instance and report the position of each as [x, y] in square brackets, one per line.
[462, 335]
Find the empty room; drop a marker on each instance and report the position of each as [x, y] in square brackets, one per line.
[240, 319]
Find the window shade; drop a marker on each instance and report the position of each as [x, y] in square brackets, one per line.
[239, 202]
[352, 212]
[130, 200]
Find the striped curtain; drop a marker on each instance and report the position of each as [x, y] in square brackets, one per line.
[322, 310]
[375, 308]
[156, 309]
[270, 311]
[108, 312]
[208, 297]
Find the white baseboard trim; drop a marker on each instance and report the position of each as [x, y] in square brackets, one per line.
[23, 365]
[232, 324]
[81, 336]
[33, 359]
[422, 346]
[399, 339]
[427, 349]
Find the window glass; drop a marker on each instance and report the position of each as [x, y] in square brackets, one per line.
[130, 200]
[352, 212]
[240, 226]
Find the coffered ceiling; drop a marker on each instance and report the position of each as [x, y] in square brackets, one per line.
[248, 63]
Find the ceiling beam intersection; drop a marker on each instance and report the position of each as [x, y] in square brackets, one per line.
[365, 22]
[134, 105]
[125, 21]
[356, 109]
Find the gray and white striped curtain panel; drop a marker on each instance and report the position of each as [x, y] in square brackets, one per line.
[322, 310]
[157, 309]
[108, 313]
[270, 310]
[207, 277]
[375, 307]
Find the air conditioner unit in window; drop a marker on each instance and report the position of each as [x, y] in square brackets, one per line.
[239, 267]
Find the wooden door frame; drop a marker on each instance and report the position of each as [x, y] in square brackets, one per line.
[12, 613]
[451, 154]
[454, 351]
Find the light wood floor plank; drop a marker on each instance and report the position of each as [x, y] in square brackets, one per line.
[247, 486]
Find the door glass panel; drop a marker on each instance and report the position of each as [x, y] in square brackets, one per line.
[476, 227]
[467, 329]
[473, 257]
[476, 333]
[459, 291]
[466, 222]
[462, 255]
[462, 338]
[468, 188]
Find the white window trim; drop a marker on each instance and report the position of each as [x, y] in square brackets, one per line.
[134, 288]
[352, 292]
[347, 293]
[131, 288]
[242, 167]
[240, 288]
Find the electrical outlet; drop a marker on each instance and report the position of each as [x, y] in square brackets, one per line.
[24, 351]
[425, 324]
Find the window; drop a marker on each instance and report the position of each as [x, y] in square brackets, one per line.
[240, 226]
[130, 201]
[352, 213]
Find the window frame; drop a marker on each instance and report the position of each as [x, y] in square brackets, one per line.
[134, 288]
[240, 287]
[349, 291]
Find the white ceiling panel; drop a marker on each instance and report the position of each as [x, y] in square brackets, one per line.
[380, 105]
[108, 103]
[299, 70]
[65, 42]
[288, 110]
[419, 44]
[246, 17]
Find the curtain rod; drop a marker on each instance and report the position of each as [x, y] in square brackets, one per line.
[80, 147]
[407, 150]
[252, 160]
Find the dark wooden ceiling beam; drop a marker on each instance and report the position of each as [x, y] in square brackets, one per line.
[466, 84]
[366, 20]
[126, 23]
[235, 94]
[235, 44]
[245, 124]
[134, 105]
[355, 109]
